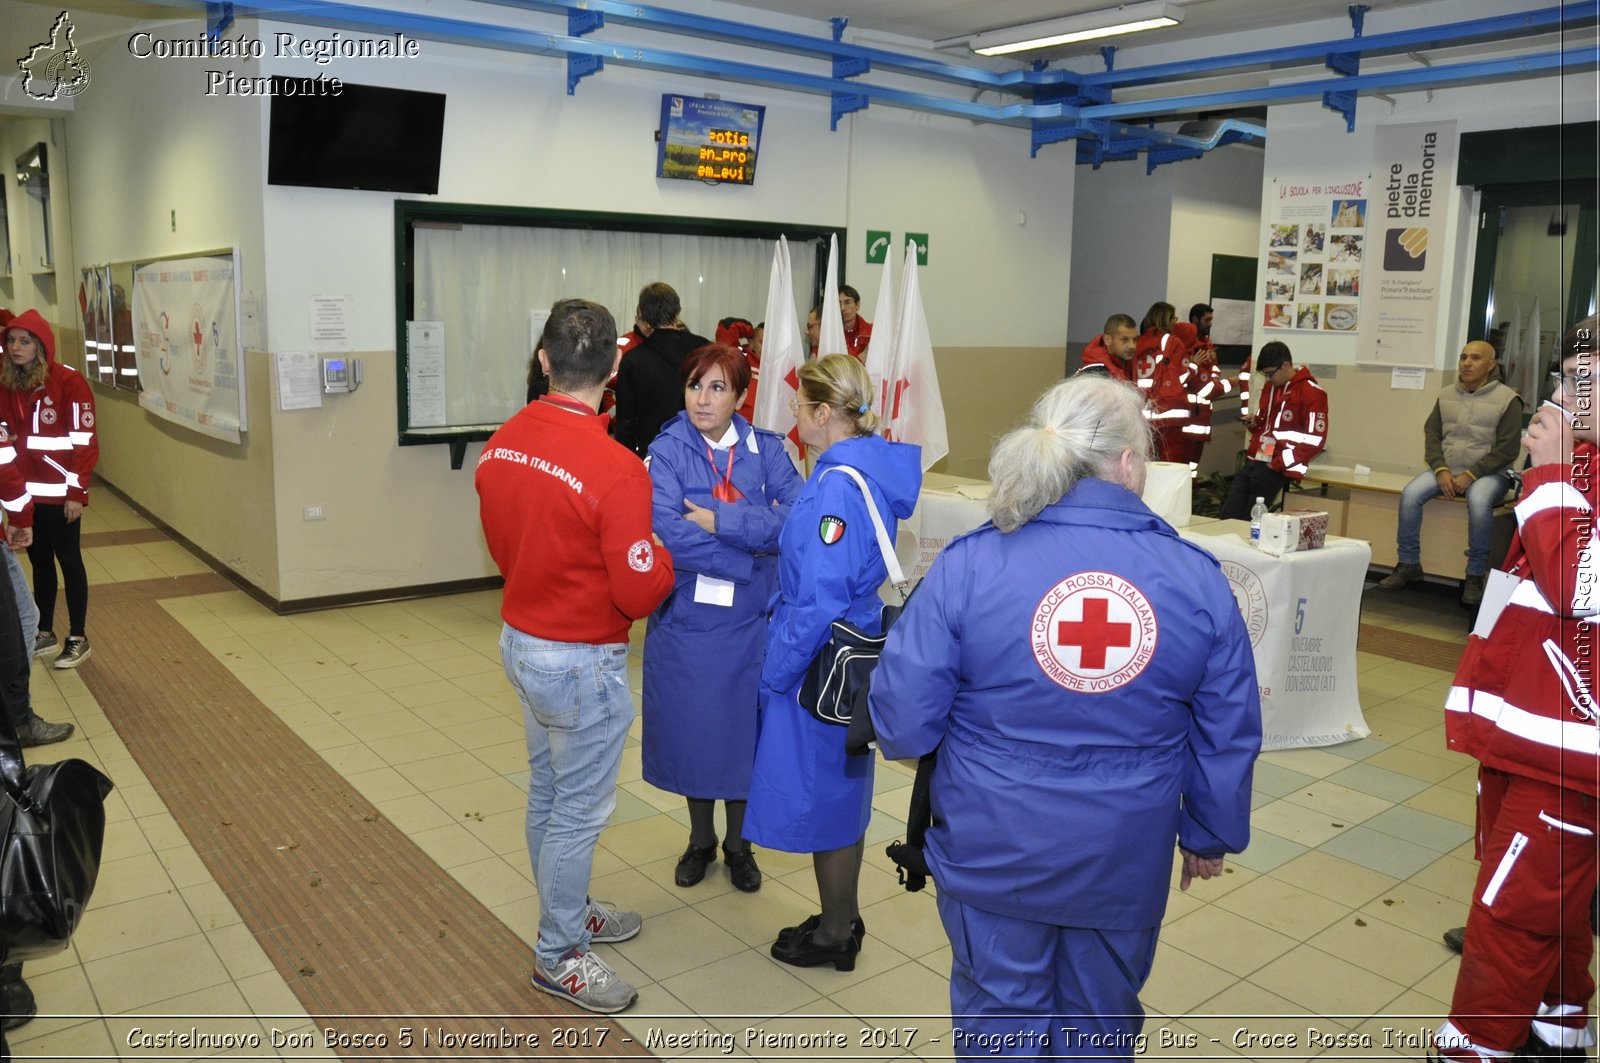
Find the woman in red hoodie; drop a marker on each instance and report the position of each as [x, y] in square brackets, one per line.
[51, 410]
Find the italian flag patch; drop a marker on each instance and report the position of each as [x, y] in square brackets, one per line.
[831, 530]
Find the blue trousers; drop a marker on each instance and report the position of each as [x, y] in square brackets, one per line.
[576, 710]
[1482, 495]
[1025, 990]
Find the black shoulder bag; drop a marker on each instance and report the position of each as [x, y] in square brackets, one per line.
[53, 823]
[842, 672]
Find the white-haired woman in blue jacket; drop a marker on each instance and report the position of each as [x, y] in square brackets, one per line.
[1087, 680]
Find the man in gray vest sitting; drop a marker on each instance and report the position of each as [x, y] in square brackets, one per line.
[1469, 441]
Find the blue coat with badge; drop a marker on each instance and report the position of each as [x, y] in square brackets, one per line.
[1089, 684]
[807, 795]
[703, 645]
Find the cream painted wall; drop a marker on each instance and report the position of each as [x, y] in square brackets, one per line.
[1216, 210]
[163, 170]
[992, 388]
[1122, 223]
[400, 516]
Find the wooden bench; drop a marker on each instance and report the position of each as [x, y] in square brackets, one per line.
[1367, 506]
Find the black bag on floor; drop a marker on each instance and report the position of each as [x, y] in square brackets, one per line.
[52, 827]
[841, 674]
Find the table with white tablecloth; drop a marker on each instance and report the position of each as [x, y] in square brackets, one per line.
[1303, 612]
[953, 505]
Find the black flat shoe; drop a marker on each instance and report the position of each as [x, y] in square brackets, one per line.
[692, 864]
[802, 950]
[858, 929]
[742, 866]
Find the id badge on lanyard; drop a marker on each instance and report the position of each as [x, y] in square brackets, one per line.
[723, 489]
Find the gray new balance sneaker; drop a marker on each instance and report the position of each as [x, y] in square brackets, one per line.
[37, 732]
[584, 979]
[608, 925]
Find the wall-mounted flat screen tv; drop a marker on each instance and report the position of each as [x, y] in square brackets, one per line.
[709, 140]
[384, 140]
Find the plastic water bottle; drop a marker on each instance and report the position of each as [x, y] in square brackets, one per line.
[1255, 521]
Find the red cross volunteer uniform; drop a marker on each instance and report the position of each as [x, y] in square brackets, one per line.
[1523, 703]
[1089, 686]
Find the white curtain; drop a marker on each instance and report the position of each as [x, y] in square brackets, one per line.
[483, 281]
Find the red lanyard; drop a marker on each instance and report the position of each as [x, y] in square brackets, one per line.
[724, 491]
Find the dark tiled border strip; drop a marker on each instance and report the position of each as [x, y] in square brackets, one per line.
[354, 916]
[129, 537]
[1415, 649]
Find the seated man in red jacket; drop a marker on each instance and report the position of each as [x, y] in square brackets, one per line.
[1290, 427]
[1111, 352]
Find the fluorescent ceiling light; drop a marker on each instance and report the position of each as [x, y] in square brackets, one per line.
[1128, 18]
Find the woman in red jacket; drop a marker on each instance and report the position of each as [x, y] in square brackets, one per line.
[51, 410]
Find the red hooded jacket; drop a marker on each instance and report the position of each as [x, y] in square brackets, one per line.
[53, 425]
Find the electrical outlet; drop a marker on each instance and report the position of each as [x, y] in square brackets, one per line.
[316, 513]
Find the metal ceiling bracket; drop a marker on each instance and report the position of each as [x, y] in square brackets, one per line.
[1358, 15]
[838, 28]
[1052, 132]
[580, 67]
[850, 66]
[845, 103]
[1345, 104]
[580, 22]
[1108, 52]
[1161, 155]
[1346, 63]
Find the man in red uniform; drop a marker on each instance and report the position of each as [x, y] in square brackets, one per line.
[1523, 704]
[1290, 427]
[1111, 352]
[857, 329]
[566, 515]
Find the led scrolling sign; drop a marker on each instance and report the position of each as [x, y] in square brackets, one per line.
[709, 140]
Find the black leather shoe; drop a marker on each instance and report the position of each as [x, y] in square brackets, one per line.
[692, 864]
[16, 1000]
[1455, 939]
[802, 950]
[742, 866]
[858, 929]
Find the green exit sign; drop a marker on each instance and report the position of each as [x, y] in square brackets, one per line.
[921, 240]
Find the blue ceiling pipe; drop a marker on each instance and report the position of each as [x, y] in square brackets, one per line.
[683, 24]
[1359, 84]
[1050, 121]
[1498, 27]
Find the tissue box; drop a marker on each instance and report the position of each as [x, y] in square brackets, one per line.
[1284, 533]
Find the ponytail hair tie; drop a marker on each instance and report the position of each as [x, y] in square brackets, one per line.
[863, 407]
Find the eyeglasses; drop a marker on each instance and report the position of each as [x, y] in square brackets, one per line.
[1571, 381]
[795, 404]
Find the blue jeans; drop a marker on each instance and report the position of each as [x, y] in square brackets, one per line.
[1482, 496]
[576, 709]
[27, 608]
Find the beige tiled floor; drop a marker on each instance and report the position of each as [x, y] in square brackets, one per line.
[1361, 857]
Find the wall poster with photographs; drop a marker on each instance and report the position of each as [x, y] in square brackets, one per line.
[1315, 236]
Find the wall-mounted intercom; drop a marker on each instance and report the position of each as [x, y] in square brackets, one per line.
[340, 375]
